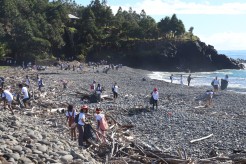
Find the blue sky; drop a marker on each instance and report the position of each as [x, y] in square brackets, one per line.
[221, 23]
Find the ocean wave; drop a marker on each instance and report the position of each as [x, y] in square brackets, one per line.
[237, 78]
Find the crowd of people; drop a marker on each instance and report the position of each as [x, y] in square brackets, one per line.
[80, 123]
[216, 84]
[22, 93]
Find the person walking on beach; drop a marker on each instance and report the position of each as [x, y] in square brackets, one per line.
[181, 80]
[189, 79]
[98, 92]
[115, 90]
[64, 83]
[70, 114]
[7, 99]
[101, 124]
[28, 83]
[155, 97]
[81, 123]
[93, 86]
[226, 78]
[224, 83]
[216, 84]
[24, 91]
[2, 82]
[209, 96]
[40, 84]
[171, 78]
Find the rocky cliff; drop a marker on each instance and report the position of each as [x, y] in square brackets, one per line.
[165, 55]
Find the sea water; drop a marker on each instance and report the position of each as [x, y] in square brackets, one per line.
[237, 78]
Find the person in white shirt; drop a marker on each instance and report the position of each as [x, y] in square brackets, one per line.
[155, 96]
[7, 98]
[115, 90]
[24, 91]
[81, 123]
[93, 86]
[181, 80]
[209, 95]
[216, 84]
[226, 78]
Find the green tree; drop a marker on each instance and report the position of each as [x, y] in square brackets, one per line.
[176, 25]
[148, 27]
[164, 25]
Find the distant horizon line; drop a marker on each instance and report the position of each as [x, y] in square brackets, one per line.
[231, 50]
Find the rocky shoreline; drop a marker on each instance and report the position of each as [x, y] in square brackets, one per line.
[36, 136]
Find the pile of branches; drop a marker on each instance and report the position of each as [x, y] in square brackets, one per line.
[124, 148]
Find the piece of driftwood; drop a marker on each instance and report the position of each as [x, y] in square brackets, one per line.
[113, 144]
[200, 139]
[163, 160]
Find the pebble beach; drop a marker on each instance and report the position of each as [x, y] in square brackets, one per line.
[175, 127]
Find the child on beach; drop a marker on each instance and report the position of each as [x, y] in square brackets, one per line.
[7, 99]
[64, 83]
[115, 90]
[1, 82]
[40, 83]
[181, 80]
[28, 83]
[70, 114]
[155, 97]
[101, 124]
[216, 84]
[209, 96]
[24, 91]
[93, 86]
[80, 125]
[98, 92]
[171, 78]
[189, 79]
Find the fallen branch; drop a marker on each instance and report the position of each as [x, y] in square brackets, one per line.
[203, 138]
[159, 157]
[112, 151]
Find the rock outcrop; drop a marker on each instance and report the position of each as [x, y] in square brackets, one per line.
[166, 55]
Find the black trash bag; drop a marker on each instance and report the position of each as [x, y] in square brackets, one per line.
[88, 133]
[224, 84]
[151, 101]
[93, 98]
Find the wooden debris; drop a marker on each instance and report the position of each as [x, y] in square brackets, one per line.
[203, 138]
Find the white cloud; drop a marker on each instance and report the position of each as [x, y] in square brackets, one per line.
[226, 41]
[167, 7]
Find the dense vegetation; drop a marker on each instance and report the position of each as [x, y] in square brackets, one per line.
[41, 29]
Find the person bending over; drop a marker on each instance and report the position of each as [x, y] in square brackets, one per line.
[7, 99]
[24, 91]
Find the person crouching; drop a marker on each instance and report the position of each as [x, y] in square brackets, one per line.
[7, 98]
